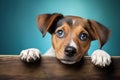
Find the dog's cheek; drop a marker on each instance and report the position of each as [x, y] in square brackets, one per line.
[59, 46]
[57, 43]
[83, 47]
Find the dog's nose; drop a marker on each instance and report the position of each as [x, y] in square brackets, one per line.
[70, 51]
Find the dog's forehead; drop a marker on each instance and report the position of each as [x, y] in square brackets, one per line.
[71, 21]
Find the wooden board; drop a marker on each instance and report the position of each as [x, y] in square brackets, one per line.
[49, 68]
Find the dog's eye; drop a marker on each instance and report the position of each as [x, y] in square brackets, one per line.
[83, 36]
[60, 33]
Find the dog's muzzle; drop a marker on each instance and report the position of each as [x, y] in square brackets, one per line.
[69, 55]
[67, 62]
[70, 51]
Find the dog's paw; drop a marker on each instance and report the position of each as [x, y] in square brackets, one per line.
[30, 55]
[101, 58]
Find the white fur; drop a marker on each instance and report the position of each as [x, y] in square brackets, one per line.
[73, 21]
[68, 62]
[101, 58]
[28, 54]
[73, 44]
[50, 52]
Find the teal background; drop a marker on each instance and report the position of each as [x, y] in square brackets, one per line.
[18, 29]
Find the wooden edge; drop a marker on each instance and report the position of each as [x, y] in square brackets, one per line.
[49, 68]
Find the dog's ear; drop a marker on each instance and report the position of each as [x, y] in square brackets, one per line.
[47, 22]
[98, 32]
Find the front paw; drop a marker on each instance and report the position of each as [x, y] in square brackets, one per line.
[30, 55]
[101, 58]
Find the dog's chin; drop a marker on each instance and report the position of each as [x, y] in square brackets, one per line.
[67, 62]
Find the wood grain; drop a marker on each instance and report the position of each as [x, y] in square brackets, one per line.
[49, 68]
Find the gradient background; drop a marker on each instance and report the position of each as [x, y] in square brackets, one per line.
[18, 29]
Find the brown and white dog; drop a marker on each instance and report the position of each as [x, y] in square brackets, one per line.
[71, 38]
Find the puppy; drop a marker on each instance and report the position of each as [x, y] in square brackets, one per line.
[71, 38]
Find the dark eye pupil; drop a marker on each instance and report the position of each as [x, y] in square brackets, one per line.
[60, 33]
[83, 36]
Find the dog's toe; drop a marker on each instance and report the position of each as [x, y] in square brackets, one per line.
[30, 55]
[101, 58]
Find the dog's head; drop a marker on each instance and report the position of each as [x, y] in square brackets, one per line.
[71, 35]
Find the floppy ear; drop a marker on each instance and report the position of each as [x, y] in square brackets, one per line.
[98, 32]
[46, 22]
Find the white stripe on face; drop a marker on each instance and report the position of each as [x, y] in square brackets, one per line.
[73, 22]
[73, 44]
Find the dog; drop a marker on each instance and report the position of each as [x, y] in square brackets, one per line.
[71, 38]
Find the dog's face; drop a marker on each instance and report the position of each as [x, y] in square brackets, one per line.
[71, 36]
[70, 40]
